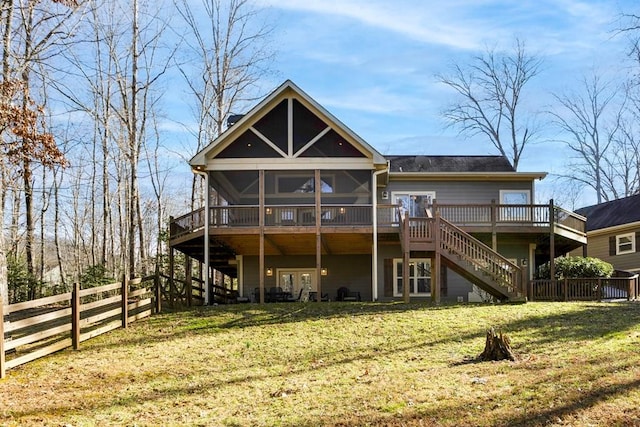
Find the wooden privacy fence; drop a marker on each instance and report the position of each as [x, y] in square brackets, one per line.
[584, 289]
[33, 329]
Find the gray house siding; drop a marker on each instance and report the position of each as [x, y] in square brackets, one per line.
[352, 271]
[458, 192]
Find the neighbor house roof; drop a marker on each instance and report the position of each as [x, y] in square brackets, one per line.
[611, 214]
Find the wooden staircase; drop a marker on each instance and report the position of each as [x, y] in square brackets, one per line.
[465, 255]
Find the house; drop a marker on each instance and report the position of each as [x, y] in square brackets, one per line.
[300, 204]
[613, 232]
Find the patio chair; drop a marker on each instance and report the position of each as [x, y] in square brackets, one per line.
[276, 294]
[291, 298]
[344, 294]
[313, 296]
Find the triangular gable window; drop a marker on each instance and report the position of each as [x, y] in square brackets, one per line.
[248, 145]
[331, 145]
[273, 136]
[306, 126]
[274, 126]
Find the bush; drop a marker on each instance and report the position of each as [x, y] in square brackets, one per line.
[572, 267]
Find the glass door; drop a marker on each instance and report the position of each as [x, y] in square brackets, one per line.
[415, 204]
[419, 277]
[298, 282]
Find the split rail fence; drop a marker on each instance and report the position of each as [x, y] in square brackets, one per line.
[37, 328]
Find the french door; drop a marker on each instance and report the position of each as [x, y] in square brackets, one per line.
[296, 280]
[419, 277]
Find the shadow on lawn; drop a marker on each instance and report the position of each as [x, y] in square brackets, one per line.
[592, 320]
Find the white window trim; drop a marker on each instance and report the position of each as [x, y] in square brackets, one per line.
[632, 238]
[397, 274]
[503, 193]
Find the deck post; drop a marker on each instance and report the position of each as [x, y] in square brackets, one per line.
[261, 265]
[125, 302]
[75, 316]
[187, 279]
[494, 234]
[318, 214]
[406, 256]
[552, 241]
[437, 264]
[157, 292]
[3, 369]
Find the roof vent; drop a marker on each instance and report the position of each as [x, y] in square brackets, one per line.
[233, 119]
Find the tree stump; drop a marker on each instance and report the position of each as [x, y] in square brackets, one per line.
[497, 347]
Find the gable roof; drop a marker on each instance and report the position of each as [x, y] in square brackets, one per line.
[612, 213]
[449, 164]
[287, 89]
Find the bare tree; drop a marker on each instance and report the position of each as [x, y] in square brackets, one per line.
[589, 123]
[489, 102]
[229, 53]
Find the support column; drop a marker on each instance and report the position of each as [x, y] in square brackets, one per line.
[552, 241]
[494, 234]
[261, 224]
[188, 284]
[207, 248]
[406, 258]
[318, 201]
[436, 268]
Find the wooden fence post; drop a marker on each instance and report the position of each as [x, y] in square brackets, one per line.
[75, 316]
[3, 369]
[599, 295]
[565, 289]
[125, 302]
[158, 293]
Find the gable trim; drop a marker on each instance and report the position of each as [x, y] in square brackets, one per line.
[615, 229]
[287, 90]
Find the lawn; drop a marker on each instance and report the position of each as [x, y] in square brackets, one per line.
[343, 364]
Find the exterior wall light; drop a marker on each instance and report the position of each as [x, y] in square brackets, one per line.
[324, 271]
[269, 271]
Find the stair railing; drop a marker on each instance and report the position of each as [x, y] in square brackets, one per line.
[478, 255]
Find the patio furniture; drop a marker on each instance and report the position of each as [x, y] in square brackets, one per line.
[344, 294]
[313, 296]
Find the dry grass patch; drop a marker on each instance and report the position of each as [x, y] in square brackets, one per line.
[338, 364]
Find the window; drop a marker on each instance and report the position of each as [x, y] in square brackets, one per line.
[419, 277]
[302, 184]
[625, 243]
[509, 209]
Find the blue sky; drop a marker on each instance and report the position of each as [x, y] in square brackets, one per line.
[372, 63]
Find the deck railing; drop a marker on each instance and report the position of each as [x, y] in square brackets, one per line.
[509, 215]
[465, 215]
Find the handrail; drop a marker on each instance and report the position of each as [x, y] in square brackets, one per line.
[479, 255]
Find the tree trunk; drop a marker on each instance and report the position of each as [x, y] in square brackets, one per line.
[497, 347]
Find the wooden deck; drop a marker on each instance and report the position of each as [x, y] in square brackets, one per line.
[301, 219]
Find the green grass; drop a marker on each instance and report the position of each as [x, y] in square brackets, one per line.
[343, 364]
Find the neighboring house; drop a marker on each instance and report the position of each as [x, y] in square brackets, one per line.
[299, 201]
[613, 232]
